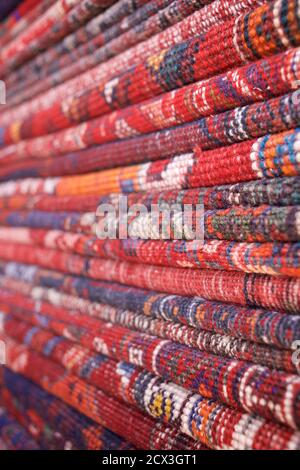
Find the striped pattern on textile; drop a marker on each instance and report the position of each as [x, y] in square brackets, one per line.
[161, 338]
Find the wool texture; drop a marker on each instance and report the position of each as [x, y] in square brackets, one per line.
[150, 225]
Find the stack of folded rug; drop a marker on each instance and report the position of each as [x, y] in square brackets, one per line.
[147, 341]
